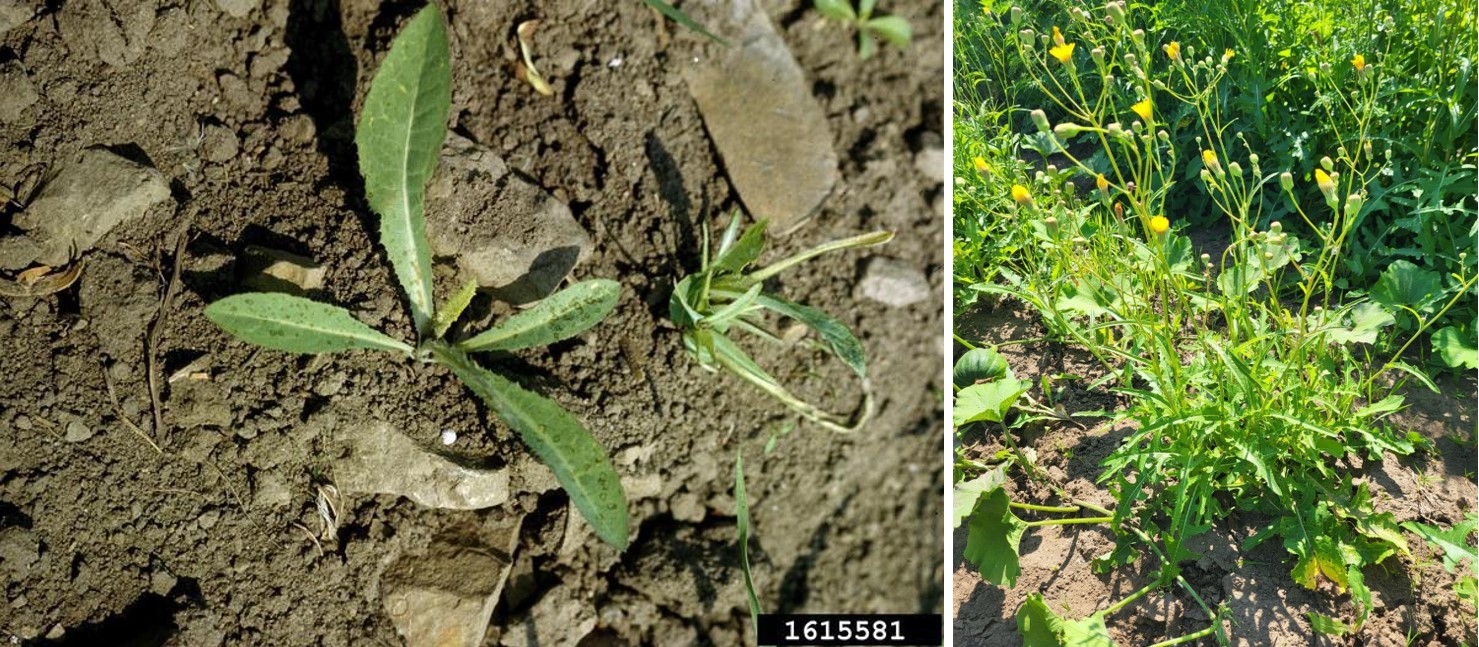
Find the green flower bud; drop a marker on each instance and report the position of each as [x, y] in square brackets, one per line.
[1116, 12]
[1286, 180]
[1235, 169]
[1016, 16]
[1067, 130]
[1040, 119]
[1327, 164]
[1276, 226]
[1206, 177]
[1353, 204]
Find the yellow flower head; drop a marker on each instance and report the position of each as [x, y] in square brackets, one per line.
[1057, 36]
[1359, 61]
[1102, 183]
[1063, 53]
[980, 165]
[1209, 158]
[1142, 109]
[1173, 50]
[1020, 194]
[1159, 225]
[1323, 180]
[1227, 55]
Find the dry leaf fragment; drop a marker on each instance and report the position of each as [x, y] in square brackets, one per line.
[40, 281]
[527, 71]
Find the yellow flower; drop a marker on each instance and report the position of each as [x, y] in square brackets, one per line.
[1142, 109]
[1227, 55]
[1173, 50]
[1102, 183]
[1323, 180]
[1063, 53]
[1057, 36]
[1159, 224]
[1209, 158]
[1020, 194]
[980, 165]
[1359, 61]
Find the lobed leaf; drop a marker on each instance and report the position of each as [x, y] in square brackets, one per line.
[1327, 625]
[561, 315]
[1454, 542]
[967, 493]
[993, 538]
[295, 324]
[557, 438]
[400, 135]
[988, 401]
[1037, 623]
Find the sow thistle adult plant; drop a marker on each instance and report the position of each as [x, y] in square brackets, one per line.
[1252, 386]
[400, 135]
[723, 297]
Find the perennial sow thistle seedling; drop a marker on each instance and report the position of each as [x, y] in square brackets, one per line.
[400, 136]
[1250, 377]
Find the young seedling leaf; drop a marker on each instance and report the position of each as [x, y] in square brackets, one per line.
[988, 401]
[841, 340]
[742, 524]
[400, 135]
[967, 493]
[744, 251]
[894, 29]
[993, 538]
[681, 18]
[297, 325]
[452, 308]
[557, 438]
[561, 315]
[1037, 623]
[836, 10]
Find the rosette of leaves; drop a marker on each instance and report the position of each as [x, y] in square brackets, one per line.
[723, 298]
[400, 135]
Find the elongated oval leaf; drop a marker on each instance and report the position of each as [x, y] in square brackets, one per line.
[738, 256]
[400, 140]
[557, 438]
[561, 315]
[841, 340]
[295, 324]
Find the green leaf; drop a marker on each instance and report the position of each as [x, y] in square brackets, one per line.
[894, 29]
[1455, 348]
[557, 438]
[742, 526]
[992, 540]
[1404, 285]
[561, 315]
[400, 135]
[988, 401]
[1467, 589]
[838, 338]
[297, 325]
[1089, 632]
[1366, 320]
[967, 493]
[744, 251]
[452, 308]
[1037, 623]
[1327, 625]
[681, 18]
[836, 10]
[1454, 542]
[980, 365]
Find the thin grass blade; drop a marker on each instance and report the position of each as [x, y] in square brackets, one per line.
[742, 523]
[561, 315]
[400, 140]
[557, 438]
[681, 18]
[297, 325]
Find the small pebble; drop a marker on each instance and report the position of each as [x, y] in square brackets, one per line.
[77, 432]
[448, 436]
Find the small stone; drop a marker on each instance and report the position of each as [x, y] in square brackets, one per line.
[646, 486]
[16, 92]
[56, 633]
[931, 163]
[238, 8]
[23, 422]
[208, 519]
[893, 282]
[271, 492]
[517, 241]
[219, 144]
[687, 507]
[162, 582]
[448, 436]
[381, 460]
[77, 432]
[87, 198]
[272, 270]
[767, 126]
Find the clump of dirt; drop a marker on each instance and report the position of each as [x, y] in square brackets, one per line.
[1413, 597]
[209, 530]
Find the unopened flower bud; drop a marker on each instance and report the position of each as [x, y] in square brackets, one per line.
[1163, 136]
[1235, 169]
[1097, 54]
[1366, 147]
[1116, 12]
[1253, 159]
[1052, 169]
[1353, 204]
[1139, 36]
[1040, 119]
[1016, 16]
[1067, 130]
[1286, 180]
[1116, 130]
[1341, 151]
[1206, 176]
[1207, 258]
[1268, 256]
[1327, 163]
[1276, 226]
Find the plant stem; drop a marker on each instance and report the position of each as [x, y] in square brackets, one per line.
[1068, 522]
[1187, 638]
[1134, 596]
[1044, 508]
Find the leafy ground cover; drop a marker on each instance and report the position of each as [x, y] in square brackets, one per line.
[1251, 353]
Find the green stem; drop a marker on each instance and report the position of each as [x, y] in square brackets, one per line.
[1187, 638]
[1044, 508]
[864, 240]
[1068, 522]
[1133, 597]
